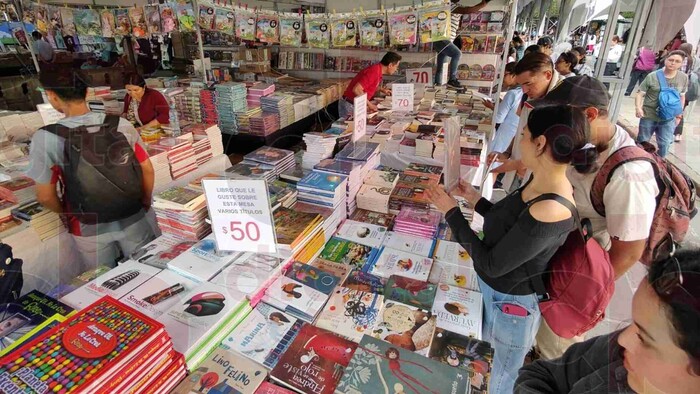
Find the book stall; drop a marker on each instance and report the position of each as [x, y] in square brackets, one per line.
[309, 262]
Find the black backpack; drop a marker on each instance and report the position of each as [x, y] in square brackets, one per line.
[102, 178]
[11, 279]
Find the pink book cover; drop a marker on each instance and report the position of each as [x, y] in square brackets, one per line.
[269, 388]
[420, 218]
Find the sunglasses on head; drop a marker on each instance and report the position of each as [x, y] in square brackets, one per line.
[673, 285]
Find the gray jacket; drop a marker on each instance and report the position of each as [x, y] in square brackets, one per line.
[593, 366]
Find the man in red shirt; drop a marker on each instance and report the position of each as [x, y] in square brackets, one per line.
[368, 81]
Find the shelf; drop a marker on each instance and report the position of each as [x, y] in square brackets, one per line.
[326, 71]
[216, 48]
[225, 64]
[476, 82]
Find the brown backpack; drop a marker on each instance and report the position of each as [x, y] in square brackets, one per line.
[675, 203]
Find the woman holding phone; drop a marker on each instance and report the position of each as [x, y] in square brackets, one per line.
[521, 233]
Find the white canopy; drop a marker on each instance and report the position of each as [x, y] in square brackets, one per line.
[692, 26]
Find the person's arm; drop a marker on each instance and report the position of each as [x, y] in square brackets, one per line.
[47, 196]
[624, 254]
[469, 10]
[127, 102]
[147, 182]
[581, 360]
[639, 98]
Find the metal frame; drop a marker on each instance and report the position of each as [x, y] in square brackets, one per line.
[512, 8]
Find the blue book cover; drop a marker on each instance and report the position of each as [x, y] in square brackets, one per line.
[358, 151]
[336, 166]
[322, 181]
[313, 277]
[362, 281]
[335, 131]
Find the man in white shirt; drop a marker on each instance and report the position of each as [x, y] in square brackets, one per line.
[43, 49]
[614, 55]
[629, 197]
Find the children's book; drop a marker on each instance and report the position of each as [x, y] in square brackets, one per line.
[168, 18]
[362, 233]
[314, 362]
[203, 261]
[153, 19]
[296, 298]
[402, 28]
[434, 25]
[350, 313]
[312, 277]
[138, 22]
[318, 35]
[381, 368]
[336, 269]
[290, 30]
[245, 25]
[224, 20]
[410, 291]
[405, 326]
[470, 354]
[108, 23]
[185, 16]
[362, 281]
[372, 29]
[207, 16]
[397, 262]
[264, 335]
[409, 243]
[343, 32]
[458, 310]
[267, 28]
[356, 255]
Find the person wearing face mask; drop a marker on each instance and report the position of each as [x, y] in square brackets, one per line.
[368, 81]
[658, 353]
[143, 106]
[521, 233]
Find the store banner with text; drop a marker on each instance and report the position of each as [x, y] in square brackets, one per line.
[241, 218]
[402, 97]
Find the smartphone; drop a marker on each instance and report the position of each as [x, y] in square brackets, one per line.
[515, 310]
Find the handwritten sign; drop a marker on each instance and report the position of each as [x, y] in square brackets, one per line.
[241, 218]
[359, 117]
[402, 97]
[419, 75]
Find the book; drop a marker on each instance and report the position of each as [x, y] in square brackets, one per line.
[381, 178]
[463, 352]
[405, 326]
[291, 226]
[409, 243]
[294, 297]
[264, 335]
[458, 310]
[115, 283]
[312, 277]
[159, 293]
[376, 218]
[410, 291]
[314, 362]
[30, 334]
[410, 265]
[378, 365]
[269, 388]
[202, 261]
[337, 269]
[350, 313]
[362, 233]
[355, 255]
[422, 169]
[179, 198]
[363, 281]
[223, 371]
[159, 252]
[90, 338]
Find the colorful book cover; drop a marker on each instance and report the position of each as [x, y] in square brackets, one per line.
[291, 295]
[223, 372]
[290, 31]
[185, 16]
[68, 21]
[269, 388]
[372, 30]
[355, 255]
[362, 233]
[161, 251]
[434, 25]
[153, 19]
[121, 16]
[138, 22]
[397, 262]
[312, 277]
[402, 28]
[314, 362]
[491, 44]
[245, 25]
[160, 293]
[409, 243]
[87, 22]
[405, 326]
[268, 154]
[290, 224]
[207, 15]
[203, 261]
[422, 180]
[168, 18]
[376, 218]
[363, 281]
[378, 367]
[108, 23]
[224, 20]
[419, 218]
[467, 353]
[350, 313]
[264, 335]
[458, 310]
[336, 166]
[410, 291]
[93, 342]
[30, 335]
[318, 34]
[115, 283]
[423, 169]
[266, 29]
[343, 32]
[336, 269]
[321, 181]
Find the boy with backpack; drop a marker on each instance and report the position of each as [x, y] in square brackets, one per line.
[660, 100]
[94, 170]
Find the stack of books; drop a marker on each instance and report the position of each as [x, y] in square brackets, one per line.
[251, 170]
[9, 150]
[230, 100]
[202, 149]
[407, 146]
[161, 166]
[302, 297]
[280, 159]
[213, 134]
[207, 100]
[19, 190]
[135, 353]
[294, 229]
[250, 274]
[244, 118]
[319, 146]
[281, 104]
[181, 156]
[353, 170]
[281, 194]
[181, 212]
[264, 123]
[188, 105]
[399, 262]
[203, 261]
[257, 91]
[323, 189]
[421, 223]
[45, 222]
[374, 198]
[174, 126]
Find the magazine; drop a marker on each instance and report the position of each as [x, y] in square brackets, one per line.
[108, 25]
[206, 17]
[185, 17]
[267, 28]
[317, 33]
[152, 19]
[245, 24]
[372, 29]
[168, 20]
[224, 21]
[87, 22]
[402, 28]
[434, 25]
[121, 16]
[138, 22]
[68, 21]
[343, 31]
[290, 30]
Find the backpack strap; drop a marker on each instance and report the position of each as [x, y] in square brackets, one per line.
[661, 78]
[57, 129]
[613, 162]
[111, 122]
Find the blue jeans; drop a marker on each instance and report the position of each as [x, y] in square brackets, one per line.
[637, 76]
[446, 49]
[664, 133]
[345, 109]
[511, 336]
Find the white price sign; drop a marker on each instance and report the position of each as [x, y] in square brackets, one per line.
[402, 97]
[452, 152]
[359, 117]
[241, 218]
[419, 75]
[443, 77]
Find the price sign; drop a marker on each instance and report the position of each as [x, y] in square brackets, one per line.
[402, 97]
[443, 77]
[359, 117]
[241, 218]
[419, 75]
[452, 152]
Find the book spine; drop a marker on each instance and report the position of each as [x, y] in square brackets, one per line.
[165, 376]
[137, 382]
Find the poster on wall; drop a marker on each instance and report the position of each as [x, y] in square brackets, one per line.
[8, 12]
[290, 30]
[168, 20]
[224, 20]
[267, 28]
[402, 28]
[108, 23]
[318, 35]
[372, 29]
[87, 22]
[152, 19]
[138, 22]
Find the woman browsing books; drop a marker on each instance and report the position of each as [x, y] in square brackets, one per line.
[143, 106]
[521, 233]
